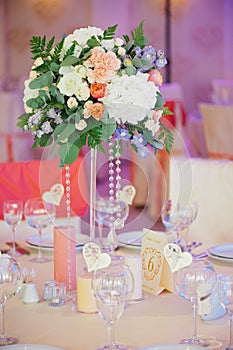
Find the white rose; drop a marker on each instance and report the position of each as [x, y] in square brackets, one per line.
[33, 74]
[119, 42]
[121, 51]
[72, 102]
[83, 34]
[81, 70]
[82, 92]
[69, 84]
[152, 125]
[81, 125]
[66, 69]
[108, 44]
[67, 44]
[38, 62]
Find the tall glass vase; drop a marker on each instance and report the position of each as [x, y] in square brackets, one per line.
[93, 156]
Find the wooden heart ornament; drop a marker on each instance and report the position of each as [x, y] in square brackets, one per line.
[94, 258]
[127, 194]
[175, 258]
[55, 194]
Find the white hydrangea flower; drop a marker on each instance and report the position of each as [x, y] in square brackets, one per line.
[152, 125]
[135, 97]
[108, 44]
[119, 42]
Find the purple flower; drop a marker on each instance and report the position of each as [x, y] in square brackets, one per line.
[122, 134]
[56, 115]
[138, 140]
[149, 54]
[46, 127]
[142, 152]
[161, 60]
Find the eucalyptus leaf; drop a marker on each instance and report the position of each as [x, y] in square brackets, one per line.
[41, 81]
[68, 153]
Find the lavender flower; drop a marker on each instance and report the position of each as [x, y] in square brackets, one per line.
[149, 54]
[52, 113]
[46, 127]
[142, 152]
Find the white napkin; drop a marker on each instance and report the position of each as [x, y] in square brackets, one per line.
[211, 308]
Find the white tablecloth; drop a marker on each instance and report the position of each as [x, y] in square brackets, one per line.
[166, 318]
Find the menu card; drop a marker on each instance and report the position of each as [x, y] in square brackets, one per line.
[156, 273]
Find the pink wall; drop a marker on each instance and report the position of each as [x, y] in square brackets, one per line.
[201, 34]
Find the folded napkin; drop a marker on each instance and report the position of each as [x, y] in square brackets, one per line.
[211, 308]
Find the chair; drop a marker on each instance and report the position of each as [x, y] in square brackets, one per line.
[222, 91]
[26, 179]
[218, 126]
[209, 182]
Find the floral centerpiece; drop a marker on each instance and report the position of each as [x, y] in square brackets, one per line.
[92, 86]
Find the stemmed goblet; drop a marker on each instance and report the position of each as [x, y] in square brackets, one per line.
[10, 282]
[195, 283]
[39, 214]
[194, 212]
[112, 287]
[13, 213]
[113, 215]
[225, 291]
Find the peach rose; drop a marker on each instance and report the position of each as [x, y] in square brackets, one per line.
[156, 77]
[98, 90]
[97, 110]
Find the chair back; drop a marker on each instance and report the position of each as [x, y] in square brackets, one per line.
[218, 126]
[27, 179]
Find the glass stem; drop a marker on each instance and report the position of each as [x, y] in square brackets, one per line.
[186, 239]
[194, 334]
[2, 323]
[92, 194]
[13, 238]
[40, 243]
[231, 331]
[111, 334]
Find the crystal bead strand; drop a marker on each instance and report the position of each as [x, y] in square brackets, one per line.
[68, 206]
[111, 177]
[118, 169]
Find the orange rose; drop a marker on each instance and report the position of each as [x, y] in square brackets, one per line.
[97, 110]
[98, 90]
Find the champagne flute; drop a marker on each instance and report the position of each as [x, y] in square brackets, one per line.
[13, 213]
[112, 287]
[196, 283]
[225, 291]
[10, 282]
[39, 214]
[194, 212]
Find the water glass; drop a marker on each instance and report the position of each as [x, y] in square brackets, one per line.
[55, 293]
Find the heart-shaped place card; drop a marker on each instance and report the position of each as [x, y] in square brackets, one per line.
[176, 258]
[55, 194]
[127, 194]
[94, 258]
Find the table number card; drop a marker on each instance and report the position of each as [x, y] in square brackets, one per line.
[157, 274]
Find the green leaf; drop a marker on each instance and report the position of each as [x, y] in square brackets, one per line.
[93, 41]
[70, 51]
[130, 70]
[110, 32]
[41, 81]
[63, 131]
[138, 35]
[54, 67]
[108, 130]
[22, 120]
[35, 103]
[68, 153]
[140, 62]
[58, 49]
[69, 61]
[45, 140]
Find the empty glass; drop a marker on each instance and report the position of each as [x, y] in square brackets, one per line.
[225, 291]
[13, 213]
[39, 215]
[196, 283]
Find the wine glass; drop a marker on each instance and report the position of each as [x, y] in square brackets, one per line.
[39, 214]
[171, 219]
[112, 287]
[13, 213]
[225, 291]
[110, 213]
[195, 283]
[194, 212]
[10, 283]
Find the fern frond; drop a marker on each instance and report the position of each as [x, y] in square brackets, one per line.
[110, 32]
[138, 35]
